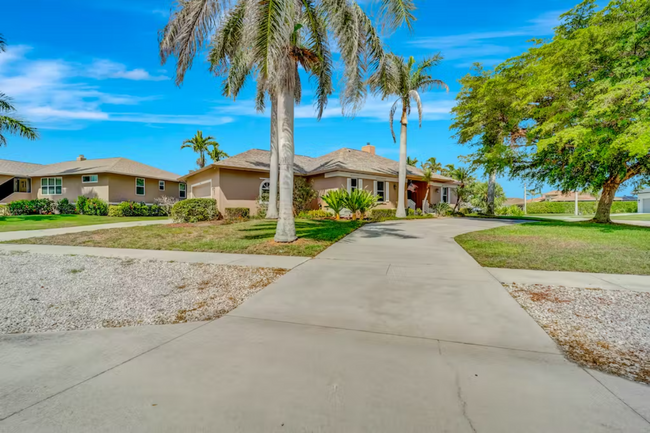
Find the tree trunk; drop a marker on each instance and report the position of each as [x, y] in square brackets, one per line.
[492, 185]
[401, 193]
[272, 211]
[457, 200]
[605, 203]
[286, 230]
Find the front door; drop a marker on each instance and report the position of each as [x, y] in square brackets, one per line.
[23, 185]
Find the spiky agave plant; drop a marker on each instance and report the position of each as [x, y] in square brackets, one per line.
[335, 199]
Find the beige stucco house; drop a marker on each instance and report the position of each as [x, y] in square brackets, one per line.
[113, 180]
[240, 180]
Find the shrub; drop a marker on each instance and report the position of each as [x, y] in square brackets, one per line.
[314, 214]
[166, 203]
[360, 201]
[410, 212]
[96, 206]
[418, 212]
[31, 207]
[335, 199]
[303, 195]
[381, 214]
[237, 213]
[64, 207]
[263, 205]
[585, 208]
[156, 210]
[442, 209]
[115, 211]
[510, 211]
[44, 206]
[4, 210]
[132, 208]
[194, 210]
[81, 204]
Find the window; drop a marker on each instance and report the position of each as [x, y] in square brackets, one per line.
[161, 185]
[354, 184]
[265, 191]
[139, 186]
[51, 185]
[445, 194]
[89, 178]
[380, 191]
[181, 190]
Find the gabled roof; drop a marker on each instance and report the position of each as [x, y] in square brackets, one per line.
[340, 160]
[15, 168]
[122, 166]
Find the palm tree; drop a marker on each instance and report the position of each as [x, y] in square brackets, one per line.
[404, 79]
[8, 123]
[217, 154]
[427, 176]
[272, 39]
[433, 164]
[464, 176]
[411, 161]
[200, 145]
[448, 170]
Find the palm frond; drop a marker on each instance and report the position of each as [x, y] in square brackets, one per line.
[391, 117]
[394, 13]
[315, 20]
[416, 97]
[187, 31]
[16, 127]
[3, 43]
[228, 39]
[5, 103]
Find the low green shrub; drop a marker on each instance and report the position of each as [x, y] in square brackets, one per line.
[115, 211]
[314, 214]
[96, 206]
[41, 206]
[64, 207]
[195, 209]
[237, 213]
[513, 210]
[132, 208]
[442, 209]
[156, 210]
[585, 207]
[380, 214]
[410, 212]
[81, 204]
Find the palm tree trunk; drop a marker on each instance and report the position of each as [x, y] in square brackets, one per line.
[286, 230]
[272, 211]
[492, 185]
[401, 194]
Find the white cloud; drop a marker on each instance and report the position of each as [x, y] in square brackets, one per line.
[105, 69]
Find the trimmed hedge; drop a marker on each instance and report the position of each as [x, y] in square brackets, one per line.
[512, 210]
[237, 213]
[378, 214]
[551, 207]
[64, 207]
[130, 208]
[194, 210]
[41, 206]
[315, 214]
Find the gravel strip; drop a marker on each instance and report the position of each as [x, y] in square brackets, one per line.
[608, 330]
[40, 292]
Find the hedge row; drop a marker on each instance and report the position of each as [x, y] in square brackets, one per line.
[131, 209]
[551, 207]
[194, 210]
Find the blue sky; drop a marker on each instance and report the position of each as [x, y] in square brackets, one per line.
[88, 75]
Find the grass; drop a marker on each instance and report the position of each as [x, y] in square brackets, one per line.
[40, 222]
[562, 246]
[636, 217]
[251, 237]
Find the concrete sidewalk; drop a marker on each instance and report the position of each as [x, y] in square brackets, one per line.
[639, 283]
[256, 260]
[25, 234]
[393, 329]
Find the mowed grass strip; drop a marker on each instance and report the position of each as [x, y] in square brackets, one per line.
[251, 237]
[562, 246]
[42, 222]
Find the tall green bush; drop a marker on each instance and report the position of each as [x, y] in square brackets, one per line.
[195, 209]
[585, 208]
[96, 206]
[64, 207]
[41, 206]
[81, 204]
[303, 195]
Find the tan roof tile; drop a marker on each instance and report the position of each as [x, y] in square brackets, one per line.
[15, 168]
[122, 166]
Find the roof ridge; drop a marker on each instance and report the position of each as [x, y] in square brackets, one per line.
[21, 162]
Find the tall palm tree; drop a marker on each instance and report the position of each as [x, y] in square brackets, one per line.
[271, 39]
[404, 79]
[447, 170]
[464, 176]
[8, 123]
[427, 176]
[217, 154]
[201, 145]
[411, 161]
[433, 164]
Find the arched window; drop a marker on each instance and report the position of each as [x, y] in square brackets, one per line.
[265, 189]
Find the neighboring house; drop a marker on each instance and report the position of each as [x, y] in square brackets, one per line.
[567, 197]
[514, 202]
[239, 181]
[644, 201]
[113, 180]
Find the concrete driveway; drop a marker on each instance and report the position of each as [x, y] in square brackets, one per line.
[395, 328]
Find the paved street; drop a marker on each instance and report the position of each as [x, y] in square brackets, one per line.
[393, 329]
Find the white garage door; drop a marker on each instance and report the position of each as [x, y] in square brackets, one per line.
[645, 205]
[202, 191]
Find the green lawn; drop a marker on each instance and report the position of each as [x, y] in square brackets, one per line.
[39, 222]
[562, 246]
[635, 217]
[251, 237]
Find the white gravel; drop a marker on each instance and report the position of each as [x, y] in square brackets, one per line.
[608, 330]
[40, 292]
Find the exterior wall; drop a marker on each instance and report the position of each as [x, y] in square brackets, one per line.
[211, 175]
[122, 188]
[435, 195]
[73, 188]
[239, 188]
[17, 196]
[4, 178]
[323, 184]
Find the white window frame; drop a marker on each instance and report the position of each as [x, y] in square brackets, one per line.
[262, 188]
[359, 183]
[48, 185]
[161, 183]
[90, 175]
[442, 194]
[202, 183]
[144, 186]
[385, 191]
[182, 193]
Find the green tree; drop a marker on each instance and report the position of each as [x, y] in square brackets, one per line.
[404, 79]
[336, 200]
[478, 195]
[271, 40]
[463, 191]
[447, 170]
[487, 119]
[411, 161]
[587, 94]
[8, 123]
[433, 164]
[201, 145]
[216, 154]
